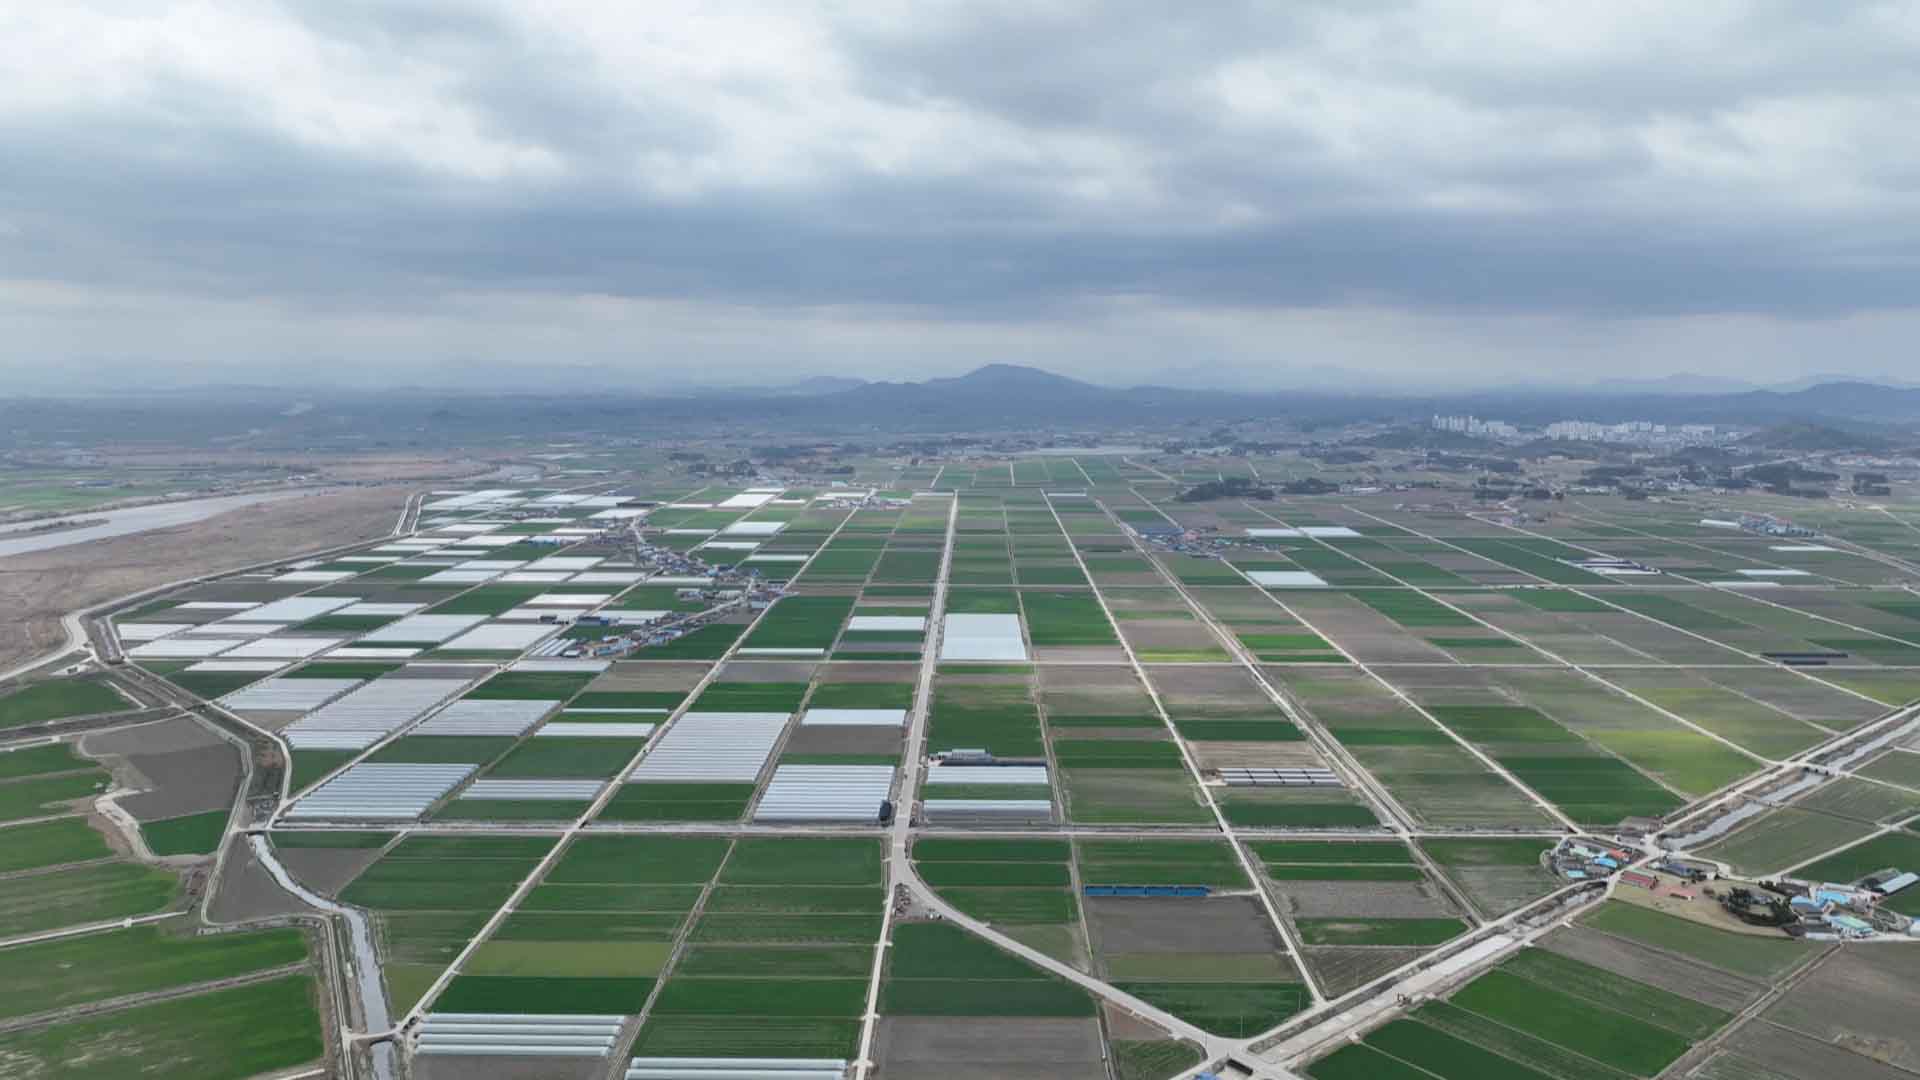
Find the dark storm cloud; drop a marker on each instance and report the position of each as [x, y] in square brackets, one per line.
[970, 164]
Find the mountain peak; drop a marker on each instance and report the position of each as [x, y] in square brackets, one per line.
[1014, 376]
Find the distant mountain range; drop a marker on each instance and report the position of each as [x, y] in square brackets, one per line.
[1013, 392]
[996, 397]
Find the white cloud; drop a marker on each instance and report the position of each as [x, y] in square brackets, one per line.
[1710, 185]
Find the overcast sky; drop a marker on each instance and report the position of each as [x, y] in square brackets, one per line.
[340, 192]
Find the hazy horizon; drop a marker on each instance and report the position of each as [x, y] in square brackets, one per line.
[1414, 195]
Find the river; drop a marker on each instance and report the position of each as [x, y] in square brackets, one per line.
[134, 519]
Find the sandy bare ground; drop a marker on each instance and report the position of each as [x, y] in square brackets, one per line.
[37, 588]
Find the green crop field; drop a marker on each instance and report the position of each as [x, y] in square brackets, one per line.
[544, 994]
[1410, 609]
[751, 697]
[223, 1035]
[1159, 862]
[58, 698]
[47, 796]
[678, 802]
[532, 685]
[1117, 754]
[51, 843]
[1578, 1024]
[1331, 851]
[84, 894]
[802, 622]
[800, 860]
[1764, 958]
[994, 873]
[40, 760]
[762, 997]
[1233, 1009]
[192, 834]
[1359, 1061]
[709, 642]
[757, 1036]
[1441, 1054]
[1475, 852]
[57, 974]
[1151, 1060]
[1602, 987]
[1587, 784]
[1546, 1058]
[1897, 850]
[1065, 619]
[825, 961]
[638, 860]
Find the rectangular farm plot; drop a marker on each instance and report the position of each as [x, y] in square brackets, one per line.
[92, 893]
[143, 959]
[486, 716]
[499, 637]
[1057, 620]
[987, 793]
[991, 714]
[777, 963]
[716, 747]
[825, 793]
[1021, 886]
[1754, 956]
[801, 623]
[1496, 874]
[381, 791]
[267, 1027]
[1215, 961]
[288, 695]
[1360, 907]
[593, 936]
[432, 894]
[1541, 1013]
[364, 716]
[1754, 724]
[422, 629]
[1589, 785]
[953, 1005]
[937, 969]
[1427, 771]
[982, 637]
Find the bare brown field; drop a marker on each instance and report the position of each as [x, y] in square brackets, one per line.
[1863, 999]
[1654, 967]
[1267, 755]
[1366, 900]
[1223, 924]
[1342, 969]
[182, 767]
[764, 671]
[989, 1048]
[1789, 1053]
[658, 675]
[326, 870]
[248, 891]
